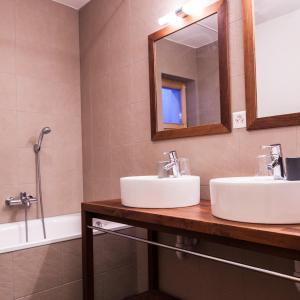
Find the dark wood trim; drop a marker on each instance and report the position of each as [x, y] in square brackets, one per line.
[195, 221]
[153, 271]
[222, 240]
[224, 66]
[253, 122]
[221, 8]
[87, 256]
[198, 221]
[249, 62]
[189, 132]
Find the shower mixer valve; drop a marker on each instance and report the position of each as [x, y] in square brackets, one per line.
[24, 199]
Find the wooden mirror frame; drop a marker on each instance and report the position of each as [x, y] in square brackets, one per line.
[219, 7]
[254, 122]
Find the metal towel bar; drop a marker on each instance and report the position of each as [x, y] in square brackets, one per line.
[213, 258]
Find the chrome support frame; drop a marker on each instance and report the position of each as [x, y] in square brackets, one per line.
[212, 258]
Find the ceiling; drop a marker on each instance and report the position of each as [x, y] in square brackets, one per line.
[198, 34]
[77, 4]
[269, 9]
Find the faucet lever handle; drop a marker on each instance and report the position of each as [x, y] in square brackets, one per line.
[173, 163]
[276, 160]
[266, 146]
[172, 155]
[275, 149]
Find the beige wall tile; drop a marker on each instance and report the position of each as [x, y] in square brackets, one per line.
[101, 168]
[7, 36]
[69, 291]
[37, 269]
[119, 39]
[113, 252]
[7, 19]
[9, 128]
[120, 126]
[55, 293]
[238, 98]
[58, 197]
[140, 121]
[36, 95]
[204, 192]
[47, 23]
[6, 277]
[71, 259]
[8, 96]
[125, 100]
[102, 190]
[72, 291]
[120, 91]
[26, 166]
[139, 81]
[236, 50]
[49, 63]
[126, 279]
[9, 163]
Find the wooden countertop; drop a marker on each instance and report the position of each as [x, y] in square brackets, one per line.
[197, 219]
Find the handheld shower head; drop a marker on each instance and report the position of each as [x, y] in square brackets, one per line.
[37, 146]
[46, 130]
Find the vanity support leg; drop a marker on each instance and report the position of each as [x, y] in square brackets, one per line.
[153, 268]
[87, 256]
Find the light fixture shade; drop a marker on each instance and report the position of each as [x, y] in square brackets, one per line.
[168, 18]
[188, 8]
[193, 6]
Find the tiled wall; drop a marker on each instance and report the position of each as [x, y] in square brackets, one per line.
[54, 271]
[40, 86]
[115, 102]
[116, 137]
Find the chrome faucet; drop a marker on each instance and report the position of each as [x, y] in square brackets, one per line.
[173, 164]
[276, 165]
[24, 200]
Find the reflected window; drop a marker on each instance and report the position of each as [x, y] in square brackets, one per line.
[173, 104]
[172, 112]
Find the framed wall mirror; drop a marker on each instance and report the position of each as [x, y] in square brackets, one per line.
[272, 64]
[189, 75]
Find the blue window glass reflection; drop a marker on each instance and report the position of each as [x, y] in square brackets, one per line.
[171, 106]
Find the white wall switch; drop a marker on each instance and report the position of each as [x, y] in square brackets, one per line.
[239, 119]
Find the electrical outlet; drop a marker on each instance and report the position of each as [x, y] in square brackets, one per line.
[239, 119]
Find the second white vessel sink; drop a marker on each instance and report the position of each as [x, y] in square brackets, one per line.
[154, 192]
[258, 199]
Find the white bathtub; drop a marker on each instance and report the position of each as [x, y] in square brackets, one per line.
[58, 229]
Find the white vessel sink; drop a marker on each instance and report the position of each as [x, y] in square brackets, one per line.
[256, 200]
[154, 192]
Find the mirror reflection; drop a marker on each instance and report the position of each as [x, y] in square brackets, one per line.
[277, 47]
[187, 76]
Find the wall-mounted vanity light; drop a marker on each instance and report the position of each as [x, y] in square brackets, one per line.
[187, 9]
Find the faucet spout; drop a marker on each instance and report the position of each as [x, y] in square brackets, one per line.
[173, 163]
[276, 165]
